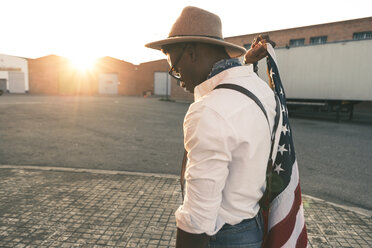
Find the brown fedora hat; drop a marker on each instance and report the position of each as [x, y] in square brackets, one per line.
[198, 25]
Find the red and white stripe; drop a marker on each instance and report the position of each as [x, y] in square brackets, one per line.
[286, 219]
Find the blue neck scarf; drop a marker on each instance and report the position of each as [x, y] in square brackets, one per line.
[223, 65]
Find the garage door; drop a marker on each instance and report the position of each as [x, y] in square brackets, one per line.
[162, 84]
[3, 85]
[108, 83]
[16, 82]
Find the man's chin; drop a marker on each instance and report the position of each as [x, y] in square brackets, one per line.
[185, 88]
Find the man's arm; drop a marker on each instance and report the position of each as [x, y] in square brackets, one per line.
[208, 140]
[188, 240]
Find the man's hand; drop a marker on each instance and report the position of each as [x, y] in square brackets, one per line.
[190, 240]
[258, 49]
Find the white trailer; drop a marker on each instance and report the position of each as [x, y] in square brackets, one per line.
[333, 76]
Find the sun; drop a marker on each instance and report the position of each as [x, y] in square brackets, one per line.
[83, 63]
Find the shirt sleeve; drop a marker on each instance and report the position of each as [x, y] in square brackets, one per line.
[209, 141]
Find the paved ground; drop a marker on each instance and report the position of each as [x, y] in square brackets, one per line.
[65, 207]
[57, 207]
[113, 133]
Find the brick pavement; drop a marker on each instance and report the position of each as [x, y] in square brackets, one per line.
[57, 207]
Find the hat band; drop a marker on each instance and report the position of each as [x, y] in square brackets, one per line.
[206, 36]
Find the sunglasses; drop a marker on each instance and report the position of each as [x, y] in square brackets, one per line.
[172, 71]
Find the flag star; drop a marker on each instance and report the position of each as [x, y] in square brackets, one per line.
[282, 149]
[271, 73]
[283, 108]
[281, 91]
[285, 129]
[278, 168]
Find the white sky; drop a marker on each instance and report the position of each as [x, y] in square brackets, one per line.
[119, 28]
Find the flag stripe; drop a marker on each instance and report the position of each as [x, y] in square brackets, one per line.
[300, 222]
[279, 234]
[281, 205]
[271, 51]
[302, 239]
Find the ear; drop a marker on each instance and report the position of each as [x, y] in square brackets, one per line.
[190, 52]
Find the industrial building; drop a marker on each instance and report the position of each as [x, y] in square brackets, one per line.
[13, 74]
[55, 75]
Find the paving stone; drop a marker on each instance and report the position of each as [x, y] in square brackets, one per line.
[42, 208]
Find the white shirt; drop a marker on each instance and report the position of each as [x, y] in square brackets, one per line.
[227, 138]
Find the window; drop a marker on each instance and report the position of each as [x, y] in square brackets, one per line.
[318, 40]
[297, 42]
[362, 35]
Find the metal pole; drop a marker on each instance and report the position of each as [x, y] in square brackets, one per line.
[167, 87]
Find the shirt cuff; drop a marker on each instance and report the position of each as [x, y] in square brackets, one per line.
[185, 222]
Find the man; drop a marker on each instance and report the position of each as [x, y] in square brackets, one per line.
[226, 135]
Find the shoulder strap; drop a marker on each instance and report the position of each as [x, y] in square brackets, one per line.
[247, 93]
[259, 103]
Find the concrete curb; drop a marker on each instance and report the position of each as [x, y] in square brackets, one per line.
[94, 171]
[361, 211]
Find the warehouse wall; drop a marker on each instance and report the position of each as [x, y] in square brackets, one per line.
[55, 75]
[145, 74]
[124, 70]
[72, 81]
[335, 31]
[145, 78]
[44, 75]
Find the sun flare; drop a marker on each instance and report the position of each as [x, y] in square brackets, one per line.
[83, 63]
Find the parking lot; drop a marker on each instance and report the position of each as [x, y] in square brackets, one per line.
[145, 135]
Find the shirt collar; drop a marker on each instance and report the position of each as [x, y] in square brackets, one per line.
[211, 82]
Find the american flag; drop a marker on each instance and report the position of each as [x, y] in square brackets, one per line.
[286, 222]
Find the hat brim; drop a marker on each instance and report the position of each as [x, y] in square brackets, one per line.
[232, 49]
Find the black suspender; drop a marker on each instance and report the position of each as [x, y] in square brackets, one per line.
[247, 93]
